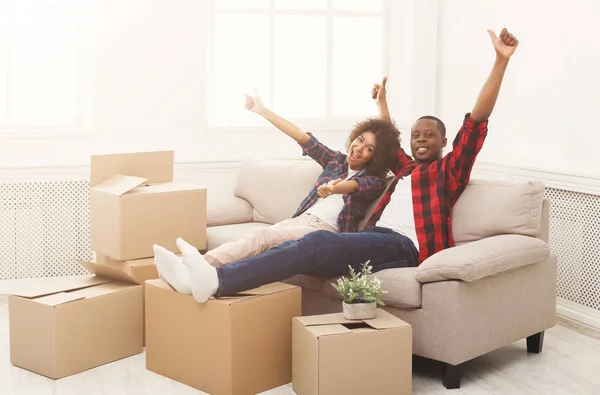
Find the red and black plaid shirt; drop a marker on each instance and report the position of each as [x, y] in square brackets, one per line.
[334, 166]
[436, 186]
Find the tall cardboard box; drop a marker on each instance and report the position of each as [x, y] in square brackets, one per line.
[135, 204]
[335, 356]
[76, 323]
[229, 346]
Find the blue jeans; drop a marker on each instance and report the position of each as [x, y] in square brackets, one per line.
[322, 254]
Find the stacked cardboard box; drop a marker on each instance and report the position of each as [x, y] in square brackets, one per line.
[68, 326]
[135, 204]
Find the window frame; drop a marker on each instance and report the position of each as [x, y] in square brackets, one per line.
[328, 123]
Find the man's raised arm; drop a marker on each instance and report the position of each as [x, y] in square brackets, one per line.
[505, 45]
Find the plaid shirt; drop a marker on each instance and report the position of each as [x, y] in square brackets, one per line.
[436, 187]
[334, 166]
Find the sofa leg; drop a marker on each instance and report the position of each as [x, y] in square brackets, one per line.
[452, 375]
[535, 343]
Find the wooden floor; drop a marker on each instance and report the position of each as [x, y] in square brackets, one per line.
[569, 364]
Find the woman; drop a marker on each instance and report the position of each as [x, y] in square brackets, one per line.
[341, 194]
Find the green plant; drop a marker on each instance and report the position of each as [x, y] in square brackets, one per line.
[359, 288]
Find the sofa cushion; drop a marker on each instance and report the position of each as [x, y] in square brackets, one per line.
[224, 208]
[275, 189]
[490, 208]
[403, 290]
[487, 257]
[217, 235]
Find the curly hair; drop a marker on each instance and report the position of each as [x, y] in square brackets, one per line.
[388, 144]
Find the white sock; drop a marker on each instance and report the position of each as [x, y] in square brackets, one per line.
[205, 281]
[172, 270]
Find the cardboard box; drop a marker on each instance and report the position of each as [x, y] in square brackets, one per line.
[335, 356]
[139, 270]
[228, 346]
[72, 324]
[134, 204]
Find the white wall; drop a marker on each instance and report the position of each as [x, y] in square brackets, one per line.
[150, 82]
[546, 115]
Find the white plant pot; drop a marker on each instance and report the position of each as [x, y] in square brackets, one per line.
[359, 311]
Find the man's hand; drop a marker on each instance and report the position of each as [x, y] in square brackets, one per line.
[327, 189]
[254, 103]
[505, 45]
[378, 92]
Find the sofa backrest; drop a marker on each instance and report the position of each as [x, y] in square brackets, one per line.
[490, 208]
[275, 188]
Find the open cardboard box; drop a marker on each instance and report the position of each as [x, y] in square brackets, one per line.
[335, 356]
[76, 323]
[227, 346]
[135, 204]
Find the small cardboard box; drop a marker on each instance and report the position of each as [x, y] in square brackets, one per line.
[134, 204]
[69, 325]
[228, 346]
[335, 356]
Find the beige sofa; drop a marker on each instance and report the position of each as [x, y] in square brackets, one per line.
[497, 286]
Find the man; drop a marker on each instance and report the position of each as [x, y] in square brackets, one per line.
[411, 223]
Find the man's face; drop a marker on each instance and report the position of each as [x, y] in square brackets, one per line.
[426, 142]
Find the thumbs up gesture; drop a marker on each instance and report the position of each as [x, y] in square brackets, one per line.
[378, 92]
[328, 189]
[254, 103]
[505, 44]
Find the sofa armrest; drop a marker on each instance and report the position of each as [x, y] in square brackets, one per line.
[483, 258]
[223, 208]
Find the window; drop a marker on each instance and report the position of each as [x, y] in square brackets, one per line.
[45, 48]
[312, 61]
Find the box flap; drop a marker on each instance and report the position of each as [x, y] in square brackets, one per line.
[119, 184]
[103, 289]
[168, 187]
[383, 320]
[59, 298]
[139, 269]
[324, 319]
[108, 272]
[154, 166]
[327, 330]
[54, 285]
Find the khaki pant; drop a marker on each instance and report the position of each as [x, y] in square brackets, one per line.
[263, 239]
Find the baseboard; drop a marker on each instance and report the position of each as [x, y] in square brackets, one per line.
[578, 313]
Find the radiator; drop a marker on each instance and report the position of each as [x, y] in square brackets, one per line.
[575, 239]
[44, 228]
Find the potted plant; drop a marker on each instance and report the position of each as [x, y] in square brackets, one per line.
[361, 294]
